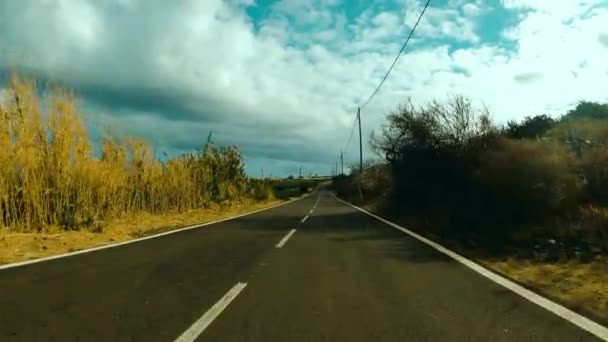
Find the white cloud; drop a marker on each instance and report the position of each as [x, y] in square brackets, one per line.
[471, 9]
[441, 22]
[304, 12]
[556, 9]
[282, 93]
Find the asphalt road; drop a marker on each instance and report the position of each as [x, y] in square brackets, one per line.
[342, 276]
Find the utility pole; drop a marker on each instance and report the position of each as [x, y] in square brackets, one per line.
[360, 142]
[360, 155]
[300, 172]
[336, 168]
[342, 162]
[262, 173]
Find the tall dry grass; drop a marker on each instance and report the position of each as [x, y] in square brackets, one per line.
[50, 177]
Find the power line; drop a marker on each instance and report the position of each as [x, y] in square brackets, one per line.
[398, 55]
[358, 116]
[350, 138]
[387, 73]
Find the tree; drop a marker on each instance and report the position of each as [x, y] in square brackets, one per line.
[531, 127]
[588, 109]
[436, 126]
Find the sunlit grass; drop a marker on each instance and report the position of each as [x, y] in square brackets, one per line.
[49, 176]
[574, 283]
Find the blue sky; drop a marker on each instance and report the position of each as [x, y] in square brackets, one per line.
[282, 79]
[489, 26]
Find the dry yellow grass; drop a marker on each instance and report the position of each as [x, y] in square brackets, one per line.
[19, 246]
[50, 177]
[583, 285]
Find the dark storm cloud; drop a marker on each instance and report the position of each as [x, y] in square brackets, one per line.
[528, 77]
[171, 72]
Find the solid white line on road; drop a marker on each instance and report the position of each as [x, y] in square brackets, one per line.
[202, 323]
[304, 219]
[284, 240]
[88, 250]
[565, 313]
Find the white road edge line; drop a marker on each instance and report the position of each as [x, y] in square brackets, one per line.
[202, 323]
[284, 240]
[565, 313]
[304, 219]
[88, 250]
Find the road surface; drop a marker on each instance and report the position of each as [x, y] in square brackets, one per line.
[340, 276]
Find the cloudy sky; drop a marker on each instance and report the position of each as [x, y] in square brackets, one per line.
[282, 79]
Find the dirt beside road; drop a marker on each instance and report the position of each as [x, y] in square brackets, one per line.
[581, 286]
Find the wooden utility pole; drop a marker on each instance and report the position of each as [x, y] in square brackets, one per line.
[342, 162]
[360, 155]
[360, 142]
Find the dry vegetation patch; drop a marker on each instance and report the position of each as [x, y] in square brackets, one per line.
[19, 246]
[60, 191]
[579, 285]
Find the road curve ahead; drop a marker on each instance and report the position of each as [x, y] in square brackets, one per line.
[311, 270]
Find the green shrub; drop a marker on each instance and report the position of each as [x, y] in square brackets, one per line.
[594, 167]
[587, 110]
[530, 128]
[585, 132]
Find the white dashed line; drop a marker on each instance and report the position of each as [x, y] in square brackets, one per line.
[304, 219]
[170, 232]
[202, 323]
[284, 240]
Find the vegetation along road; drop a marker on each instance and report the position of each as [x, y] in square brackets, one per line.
[315, 269]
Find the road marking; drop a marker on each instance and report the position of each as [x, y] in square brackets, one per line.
[304, 219]
[88, 250]
[284, 240]
[202, 323]
[565, 313]
[310, 212]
